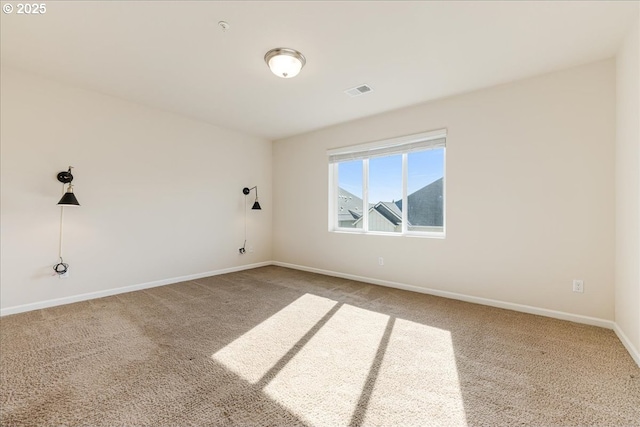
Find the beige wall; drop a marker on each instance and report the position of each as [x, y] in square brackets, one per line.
[530, 206]
[161, 195]
[627, 267]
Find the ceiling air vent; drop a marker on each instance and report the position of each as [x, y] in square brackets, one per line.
[358, 90]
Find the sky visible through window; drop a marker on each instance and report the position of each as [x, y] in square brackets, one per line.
[385, 174]
[350, 177]
[385, 179]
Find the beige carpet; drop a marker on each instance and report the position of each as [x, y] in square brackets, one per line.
[276, 347]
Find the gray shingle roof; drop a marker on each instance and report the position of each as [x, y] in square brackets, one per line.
[426, 205]
[349, 205]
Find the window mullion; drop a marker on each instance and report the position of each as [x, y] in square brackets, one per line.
[365, 195]
[333, 196]
[405, 205]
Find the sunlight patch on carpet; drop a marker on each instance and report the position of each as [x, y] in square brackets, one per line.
[323, 383]
[256, 352]
[332, 364]
[418, 380]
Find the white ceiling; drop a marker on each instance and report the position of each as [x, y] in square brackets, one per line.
[173, 55]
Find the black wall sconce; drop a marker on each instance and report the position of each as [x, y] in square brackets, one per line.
[256, 206]
[68, 198]
[246, 191]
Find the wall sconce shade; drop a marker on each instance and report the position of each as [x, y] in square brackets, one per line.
[246, 191]
[68, 198]
[285, 62]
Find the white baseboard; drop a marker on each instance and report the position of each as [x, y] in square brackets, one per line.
[108, 292]
[594, 321]
[635, 354]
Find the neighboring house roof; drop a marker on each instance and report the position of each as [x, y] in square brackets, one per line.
[388, 210]
[425, 205]
[355, 215]
[349, 205]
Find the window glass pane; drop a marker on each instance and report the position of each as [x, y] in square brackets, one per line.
[425, 196]
[385, 193]
[350, 194]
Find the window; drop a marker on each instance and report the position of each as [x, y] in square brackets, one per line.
[371, 184]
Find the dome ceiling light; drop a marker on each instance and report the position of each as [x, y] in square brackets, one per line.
[284, 62]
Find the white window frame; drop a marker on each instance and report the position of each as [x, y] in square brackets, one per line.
[402, 145]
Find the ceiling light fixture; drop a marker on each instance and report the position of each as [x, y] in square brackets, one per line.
[285, 62]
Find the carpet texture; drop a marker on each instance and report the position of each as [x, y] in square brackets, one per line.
[278, 347]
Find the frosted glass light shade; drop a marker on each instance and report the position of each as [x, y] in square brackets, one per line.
[285, 63]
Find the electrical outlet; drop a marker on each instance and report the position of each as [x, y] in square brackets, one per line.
[65, 275]
[251, 248]
[578, 285]
[381, 261]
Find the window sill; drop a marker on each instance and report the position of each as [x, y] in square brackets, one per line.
[440, 236]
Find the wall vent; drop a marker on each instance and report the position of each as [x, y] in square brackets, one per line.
[358, 90]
